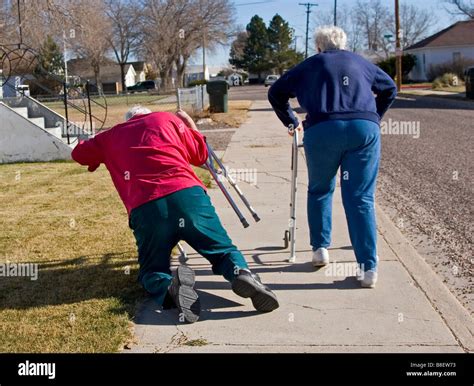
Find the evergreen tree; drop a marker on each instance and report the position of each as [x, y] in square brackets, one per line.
[256, 51]
[51, 57]
[280, 37]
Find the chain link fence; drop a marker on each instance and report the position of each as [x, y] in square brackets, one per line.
[195, 98]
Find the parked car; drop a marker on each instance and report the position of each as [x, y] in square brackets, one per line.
[142, 86]
[270, 79]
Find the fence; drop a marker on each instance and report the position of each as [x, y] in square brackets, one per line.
[193, 98]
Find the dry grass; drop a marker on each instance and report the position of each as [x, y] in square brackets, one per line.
[73, 225]
[237, 114]
[117, 106]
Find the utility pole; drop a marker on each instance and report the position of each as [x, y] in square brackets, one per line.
[335, 13]
[398, 49]
[308, 11]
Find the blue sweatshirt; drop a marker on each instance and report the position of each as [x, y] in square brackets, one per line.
[334, 84]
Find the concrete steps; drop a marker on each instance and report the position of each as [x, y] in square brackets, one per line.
[38, 121]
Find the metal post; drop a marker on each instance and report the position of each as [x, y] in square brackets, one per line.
[335, 13]
[178, 96]
[66, 112]
[398, 49]
[308, 11]
[89, 104]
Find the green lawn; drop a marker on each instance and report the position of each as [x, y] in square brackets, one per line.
[72, 224]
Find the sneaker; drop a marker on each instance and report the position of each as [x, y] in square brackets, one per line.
[249, 285]
[183, 294]
[320, 257]
[368, 279]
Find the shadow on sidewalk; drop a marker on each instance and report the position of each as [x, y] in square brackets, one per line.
[211, 309]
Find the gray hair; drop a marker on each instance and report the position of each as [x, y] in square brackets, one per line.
[330, 38]
[136, 110]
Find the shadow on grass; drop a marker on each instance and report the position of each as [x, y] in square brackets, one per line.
[73, 281]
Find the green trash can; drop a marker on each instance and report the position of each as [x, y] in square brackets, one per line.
[469, 78]
[218, 97]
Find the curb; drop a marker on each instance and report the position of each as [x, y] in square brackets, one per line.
[456, 317]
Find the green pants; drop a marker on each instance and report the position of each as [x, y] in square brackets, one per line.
[185, 215]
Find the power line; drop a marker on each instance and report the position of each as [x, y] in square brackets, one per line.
[308, 11]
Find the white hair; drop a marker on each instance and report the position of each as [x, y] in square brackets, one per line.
[136, 110]
[330, 38]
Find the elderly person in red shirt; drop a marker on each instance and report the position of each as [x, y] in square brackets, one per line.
[149, 158]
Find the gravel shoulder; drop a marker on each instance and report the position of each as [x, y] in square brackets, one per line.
[426, 186]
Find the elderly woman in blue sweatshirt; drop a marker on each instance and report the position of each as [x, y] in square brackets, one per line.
[336, 88]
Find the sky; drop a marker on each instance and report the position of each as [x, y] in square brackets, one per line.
[296, 16]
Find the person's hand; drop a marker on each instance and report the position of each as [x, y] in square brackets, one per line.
[184, 116]
[299, 128]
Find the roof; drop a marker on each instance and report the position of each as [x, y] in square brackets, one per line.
[109, 71]
[138, 66]
[458, 34]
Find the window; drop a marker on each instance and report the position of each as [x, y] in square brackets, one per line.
[456, 57]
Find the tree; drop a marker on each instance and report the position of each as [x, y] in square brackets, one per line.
[461, 7]
[280, 36]
[256, 51]
[51, 57]
[92, 31]
[175, 29]
[415, 24]
[373, 19]
[236, 56]
[125, 18]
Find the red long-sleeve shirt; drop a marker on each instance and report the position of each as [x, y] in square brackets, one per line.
[148, 157]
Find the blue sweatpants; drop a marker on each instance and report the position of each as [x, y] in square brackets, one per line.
[354, 146]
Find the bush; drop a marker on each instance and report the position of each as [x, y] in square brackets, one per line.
[389, 66]
[456, 67]
[446, 80]
[197, 82]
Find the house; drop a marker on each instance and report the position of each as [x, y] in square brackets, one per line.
[194, 72]
[455, 43]
[140, 69]
[110, 74]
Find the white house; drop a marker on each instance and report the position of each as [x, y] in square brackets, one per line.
[449, 45]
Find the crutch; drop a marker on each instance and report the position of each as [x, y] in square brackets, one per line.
[290, 234]
[223, 171]
[217, 176]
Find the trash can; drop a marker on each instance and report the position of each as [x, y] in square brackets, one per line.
[469, 78]
[218, 98]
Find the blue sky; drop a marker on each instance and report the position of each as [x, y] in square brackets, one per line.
[296, 16]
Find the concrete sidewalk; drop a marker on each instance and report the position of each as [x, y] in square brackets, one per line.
[319, 311]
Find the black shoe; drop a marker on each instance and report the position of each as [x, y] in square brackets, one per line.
[183, 294]
[249, 285]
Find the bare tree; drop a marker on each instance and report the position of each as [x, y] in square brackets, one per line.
[175, 29]
[124, 17]
[415, 23]
[373, 20]
[91, 38]
[461, 7]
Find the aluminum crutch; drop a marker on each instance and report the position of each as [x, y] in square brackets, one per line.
[183, 257]
[233, 184]
[290, 234]
[217, 178]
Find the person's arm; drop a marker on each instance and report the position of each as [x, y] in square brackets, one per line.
[385, 90]
[89, 153]
[279, 95]
[193, 140]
